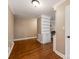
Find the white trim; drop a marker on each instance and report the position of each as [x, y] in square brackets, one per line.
[24, 38]
[54, 42]
[60, 54]
[11, 49]
[18, 40]
[54, 48]
[66, 39]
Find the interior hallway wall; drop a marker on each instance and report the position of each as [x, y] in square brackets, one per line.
[10, 28]
[60, 27]
[25, 28]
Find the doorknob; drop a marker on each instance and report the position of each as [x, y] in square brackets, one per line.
[68, 36]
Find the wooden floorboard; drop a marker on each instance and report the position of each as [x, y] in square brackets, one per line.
[32, 49]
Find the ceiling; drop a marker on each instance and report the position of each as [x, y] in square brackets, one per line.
[24, 8]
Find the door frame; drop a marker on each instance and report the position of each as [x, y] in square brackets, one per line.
[66, 41]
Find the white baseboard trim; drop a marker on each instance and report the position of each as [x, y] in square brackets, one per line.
[11, 49]
[56, 51]
[60, 54]
[24, 38]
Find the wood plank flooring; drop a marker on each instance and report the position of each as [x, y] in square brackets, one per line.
[32, 49]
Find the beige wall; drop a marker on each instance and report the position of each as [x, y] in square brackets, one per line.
[10, 27]
[25, 27]
[60, 24]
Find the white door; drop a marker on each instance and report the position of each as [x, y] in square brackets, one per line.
[67, 32]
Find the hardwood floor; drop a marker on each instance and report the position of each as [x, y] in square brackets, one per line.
[31, 49]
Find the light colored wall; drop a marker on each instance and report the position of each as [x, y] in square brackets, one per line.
[60, 24]
[10, 27]
[25, 27]
[52, 23]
